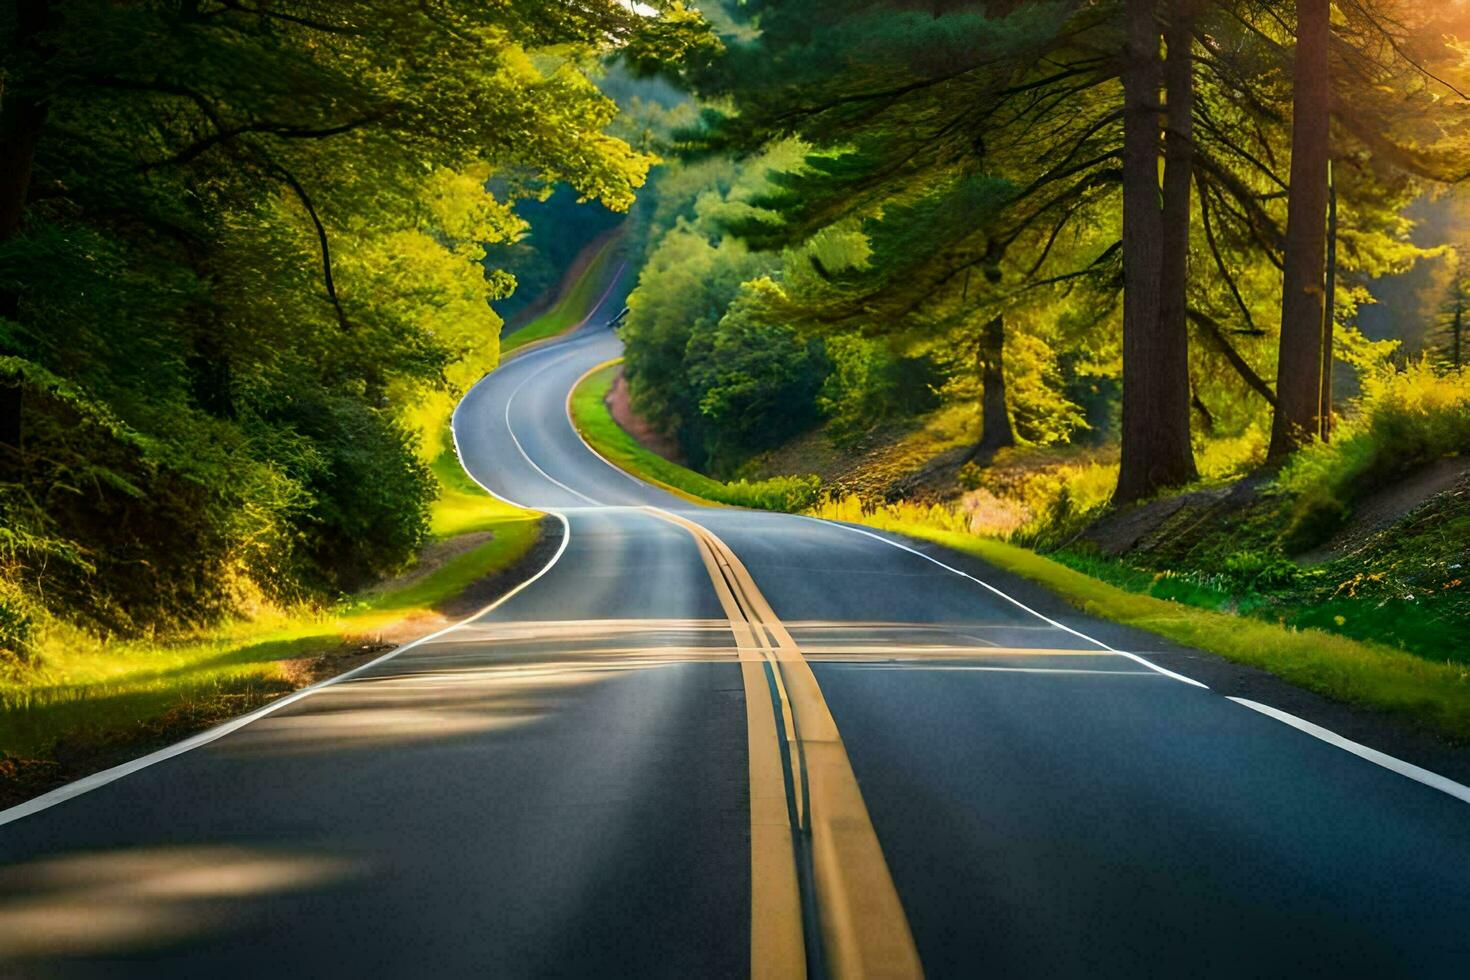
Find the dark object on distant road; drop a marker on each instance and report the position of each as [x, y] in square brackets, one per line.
[616, 323]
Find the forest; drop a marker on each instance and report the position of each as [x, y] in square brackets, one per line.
[1017, 267]
[1038, 267]
[1116, 221]
[243, 279]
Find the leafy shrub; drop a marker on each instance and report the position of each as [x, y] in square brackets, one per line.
[123, 531]
[1054, 501]
[16, 628]
[855, 509]
[1231, 456]
[755, 383]
[1257, 571]
[126, 533]
[1405, 419]
[368, 491]
[782, 493]
[869, 383]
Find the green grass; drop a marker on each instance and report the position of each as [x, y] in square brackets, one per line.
[592, 418]
[575, 305]
[1433, 692]
[98, 690]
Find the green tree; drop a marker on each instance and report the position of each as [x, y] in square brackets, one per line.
[241, 277]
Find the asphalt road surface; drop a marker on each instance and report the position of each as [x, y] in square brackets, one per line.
[708, 742]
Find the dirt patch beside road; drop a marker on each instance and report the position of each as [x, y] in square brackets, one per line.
[637, 426]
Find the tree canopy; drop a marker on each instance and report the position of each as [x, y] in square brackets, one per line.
[1117, 187]
[242, 273]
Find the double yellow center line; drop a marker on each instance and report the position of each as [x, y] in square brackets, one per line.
[805, 805]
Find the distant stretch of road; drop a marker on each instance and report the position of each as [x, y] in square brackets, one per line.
[709, 742]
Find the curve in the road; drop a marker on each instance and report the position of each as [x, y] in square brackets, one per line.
[569, 784]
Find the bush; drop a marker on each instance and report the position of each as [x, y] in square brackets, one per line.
[869, 383]
[783, 493]
[1405, 420]
[16, 628]
[755, 383]
[123, 531]
[1257, 571]
[369, 492]
[1054, 502]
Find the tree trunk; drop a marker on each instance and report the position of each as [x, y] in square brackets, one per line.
[1329, 309]
[995, 418]
[1299, 363]
[1156, 451]
[1173, 353]
[1459, 327]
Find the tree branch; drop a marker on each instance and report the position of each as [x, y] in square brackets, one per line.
[321, 237]
[1242, 367]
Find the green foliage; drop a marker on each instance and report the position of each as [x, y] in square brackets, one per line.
[557, 230]
[869, 383]
[714, 350]
[1255, 571]
[1404, 420]
[755, 382]
[17, 626]
[79, 688]
[367, 488]
[249, 276]
[596, 424]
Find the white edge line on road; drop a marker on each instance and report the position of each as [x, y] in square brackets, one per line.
[920, 665]
[583, 439]
[521, 449]
[99, 779]
[1011, 599]
[1406, 769]
[903, 547]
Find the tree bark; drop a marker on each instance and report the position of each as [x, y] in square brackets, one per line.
[1329, 309]
[1299, 364]
[1458, 327]
[995, 417]
[1156, 450]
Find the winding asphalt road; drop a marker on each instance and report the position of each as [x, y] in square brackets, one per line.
[711, 742]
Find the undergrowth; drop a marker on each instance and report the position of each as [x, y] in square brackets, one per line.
[75, 685]
[595, 422]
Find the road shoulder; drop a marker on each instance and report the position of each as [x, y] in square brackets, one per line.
[1389, 733]
[312, 660]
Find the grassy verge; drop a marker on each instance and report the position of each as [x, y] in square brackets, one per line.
[1433, 692]
[601, 430]
[92, 696]
[1368, 674]
[576, 304]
